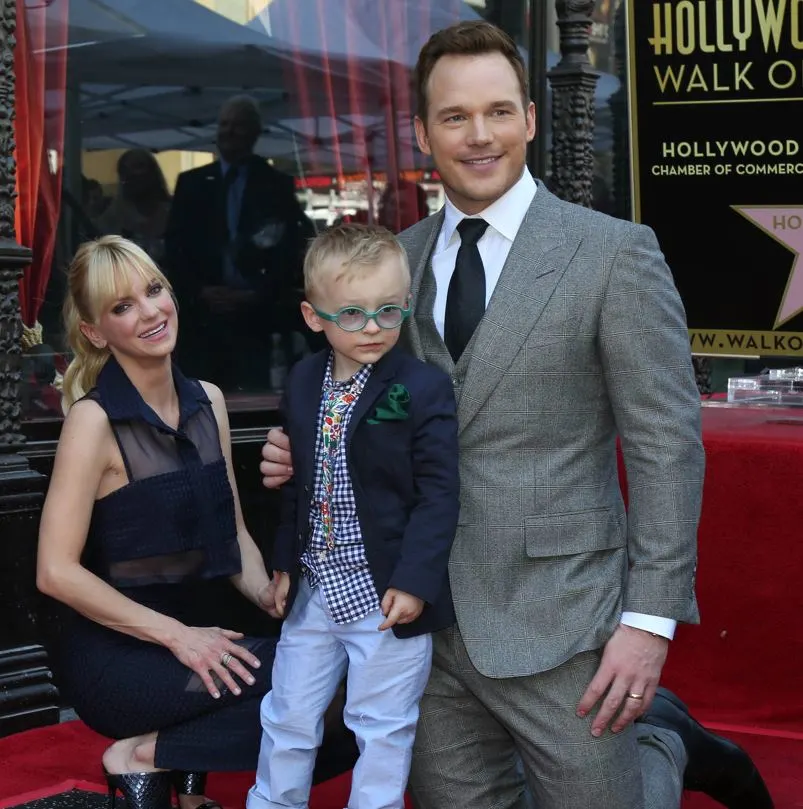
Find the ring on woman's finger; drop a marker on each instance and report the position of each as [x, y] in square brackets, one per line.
[225, 659]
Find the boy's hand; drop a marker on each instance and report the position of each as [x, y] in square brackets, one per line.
[266, 599]
[282, 582]
[400, 608]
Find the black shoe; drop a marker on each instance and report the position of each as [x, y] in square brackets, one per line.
[716, 766]
[192, 783]
[141, 790]
[189, 783]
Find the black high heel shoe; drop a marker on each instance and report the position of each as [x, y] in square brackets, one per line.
[141, 790]
[192, 783]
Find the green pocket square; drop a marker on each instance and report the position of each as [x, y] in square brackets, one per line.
[393, 407]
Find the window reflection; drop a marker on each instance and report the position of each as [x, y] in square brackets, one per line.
[220, 135]
[141, 206]
[235, 248]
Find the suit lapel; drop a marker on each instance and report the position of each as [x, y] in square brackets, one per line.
[214, 192]
[535, 265]
[377, 383]
[251, 202]
[306, 409]
[433, 348]
[421, 333]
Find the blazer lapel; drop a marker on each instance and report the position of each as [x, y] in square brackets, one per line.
[535, 265]
[306, 410]
[377, 382]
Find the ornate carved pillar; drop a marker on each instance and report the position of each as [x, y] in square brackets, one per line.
[573, 82]
[620, 119]
[28, 697]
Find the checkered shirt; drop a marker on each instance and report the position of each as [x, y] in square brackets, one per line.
[343, 572]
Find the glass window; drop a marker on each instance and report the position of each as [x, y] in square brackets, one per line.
[220, 135]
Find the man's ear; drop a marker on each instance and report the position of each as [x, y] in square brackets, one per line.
[93, 335]
[531, 118]
[421, 135]
[310, 318]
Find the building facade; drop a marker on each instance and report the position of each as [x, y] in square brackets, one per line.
[107, 123]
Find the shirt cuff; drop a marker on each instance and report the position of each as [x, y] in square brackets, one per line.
[665, 627]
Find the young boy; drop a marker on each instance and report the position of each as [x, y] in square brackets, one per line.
[367, 525]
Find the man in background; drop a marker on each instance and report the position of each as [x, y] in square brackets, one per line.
[234, 249]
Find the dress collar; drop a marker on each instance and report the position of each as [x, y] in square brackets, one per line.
[123, 402]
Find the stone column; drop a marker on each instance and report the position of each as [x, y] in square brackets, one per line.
[573, 82]
[28, 697]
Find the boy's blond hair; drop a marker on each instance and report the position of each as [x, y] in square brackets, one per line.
[346, 251]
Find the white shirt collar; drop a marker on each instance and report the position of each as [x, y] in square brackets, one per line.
[504, 216]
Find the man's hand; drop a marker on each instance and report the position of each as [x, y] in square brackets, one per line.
[276, 468]
[282, 588]
[631, 664]
[399, 608]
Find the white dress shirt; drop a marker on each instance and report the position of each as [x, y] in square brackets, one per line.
[504, 218]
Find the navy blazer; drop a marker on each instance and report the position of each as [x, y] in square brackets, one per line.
[404, 474]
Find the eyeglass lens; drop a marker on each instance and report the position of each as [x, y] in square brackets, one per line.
[352, 319]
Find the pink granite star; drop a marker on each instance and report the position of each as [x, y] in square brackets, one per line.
[785, 225]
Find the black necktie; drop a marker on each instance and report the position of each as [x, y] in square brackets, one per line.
[229, 179]
[465, 303]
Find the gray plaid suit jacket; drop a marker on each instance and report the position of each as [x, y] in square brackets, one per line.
[584, 340]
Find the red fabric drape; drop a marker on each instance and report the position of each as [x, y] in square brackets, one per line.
[40, 62]
[352, 85]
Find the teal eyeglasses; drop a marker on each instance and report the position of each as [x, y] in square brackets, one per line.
[353, 318]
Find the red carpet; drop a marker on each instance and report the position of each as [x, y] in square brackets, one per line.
[741, 666]
[39, 760]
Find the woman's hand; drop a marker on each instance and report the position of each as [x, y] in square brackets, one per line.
[209, 650]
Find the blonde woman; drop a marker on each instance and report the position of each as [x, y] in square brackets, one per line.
[141, 536]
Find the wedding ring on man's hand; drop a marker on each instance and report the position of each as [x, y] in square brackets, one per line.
[631, 696]
[225, 659]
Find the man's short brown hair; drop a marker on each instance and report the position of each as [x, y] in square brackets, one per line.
[469, 38]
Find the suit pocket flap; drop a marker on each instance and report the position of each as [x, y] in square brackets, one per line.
[576, 532]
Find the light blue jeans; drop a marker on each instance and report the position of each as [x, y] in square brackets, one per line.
[385, 680]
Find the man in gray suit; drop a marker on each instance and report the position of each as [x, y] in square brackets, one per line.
[562, 330]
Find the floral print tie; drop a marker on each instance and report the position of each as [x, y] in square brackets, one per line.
[338, 401]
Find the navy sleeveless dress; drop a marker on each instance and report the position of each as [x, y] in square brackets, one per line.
[167, 539]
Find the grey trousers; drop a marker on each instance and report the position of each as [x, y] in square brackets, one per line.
[516, 743]
[663, 760]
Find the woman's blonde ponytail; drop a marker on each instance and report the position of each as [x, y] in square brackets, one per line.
[87, 362]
